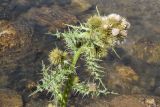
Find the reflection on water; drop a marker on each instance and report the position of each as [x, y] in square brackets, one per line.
[24, 44]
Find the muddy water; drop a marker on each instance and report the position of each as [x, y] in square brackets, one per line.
[24, 44]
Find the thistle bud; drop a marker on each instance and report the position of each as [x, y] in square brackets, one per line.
[94, 22]
[57, 56]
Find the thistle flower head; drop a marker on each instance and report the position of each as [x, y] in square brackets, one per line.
[125, 24]
[105, 26]
[115, 17]
[123, 32]
[57, 56]
[94, 22]
[115, 31]
[106, 31]
[104, 18]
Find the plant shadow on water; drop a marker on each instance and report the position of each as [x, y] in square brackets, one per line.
[21, 58]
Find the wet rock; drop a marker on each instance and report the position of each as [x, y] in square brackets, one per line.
[15, 39]
[127, 73]
[39, 103]
[8, 36]
[13, 35]
[53, 17]
[10, 98]
[4, 11]
[137, 90]
[157, 91]
[27, 4]
[99, 103]
[147, 50]
[63, 2]
[79, 6]
[121, 101]
[147, 82]
[122, 79]
[126, 101]
[3, 80]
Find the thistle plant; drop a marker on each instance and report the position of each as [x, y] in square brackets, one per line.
[90, 42]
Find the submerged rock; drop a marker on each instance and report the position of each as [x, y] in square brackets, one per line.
[4, 11]
[122, 79]
[33, 103]
[53, 17]
[13, 35]
[80, 6]
[121, 101]
[3, 80]
[15, 39]
[8, 36]
[147, 50]
[63, 2]
[157, 91]
[126, 101]
[10, 98]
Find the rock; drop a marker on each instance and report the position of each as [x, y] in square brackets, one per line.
[147, 50]
[39, 103]
[157, 91]
[4, 11]
[8, 36]
[99, 103]
[10, 98]
[63, 2]
[15, 41]
[80, 5]
[126, 101]
[137, 90]
[122, 78]
[120, 101]
[13, 35]
[126, 73]
[52, 17]
[3, 80]
[147, 82]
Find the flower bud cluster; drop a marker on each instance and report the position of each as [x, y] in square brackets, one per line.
[57, 56]
[107, 31]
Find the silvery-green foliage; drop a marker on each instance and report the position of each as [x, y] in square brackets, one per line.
[89, 41]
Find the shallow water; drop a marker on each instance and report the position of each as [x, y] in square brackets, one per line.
[26, 44]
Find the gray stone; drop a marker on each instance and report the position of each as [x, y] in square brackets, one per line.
[10, 98]
[157, 91]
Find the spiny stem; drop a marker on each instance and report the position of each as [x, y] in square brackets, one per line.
[69, 82]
